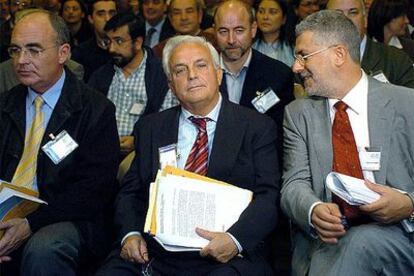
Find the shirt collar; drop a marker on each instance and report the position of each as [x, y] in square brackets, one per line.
[245, 65]
[213, 115]
[156, 27]
[354, 96]
[394, 41]
[51, 96]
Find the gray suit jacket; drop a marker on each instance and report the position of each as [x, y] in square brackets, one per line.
[308, 154]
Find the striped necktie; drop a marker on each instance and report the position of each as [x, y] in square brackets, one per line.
[197, 160]
[26, 170]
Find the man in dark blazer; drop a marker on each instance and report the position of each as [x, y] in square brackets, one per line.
[247, 73]
[133, 80]
[57, 237]
[242, 152]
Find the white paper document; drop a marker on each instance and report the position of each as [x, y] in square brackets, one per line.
[182, 204]
[352, 190]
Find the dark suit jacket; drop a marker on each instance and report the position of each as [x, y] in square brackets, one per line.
[243, 154]
[264, 72]
[80, 188]
[394, 63]
[167, 30]
[91, 56]
[408, 46]
[156, 84]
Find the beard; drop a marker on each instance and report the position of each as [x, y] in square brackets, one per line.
[316, 87]
[120, 60]
[234, 53]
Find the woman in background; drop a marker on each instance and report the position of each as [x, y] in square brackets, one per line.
[388, 22]
[276, 35]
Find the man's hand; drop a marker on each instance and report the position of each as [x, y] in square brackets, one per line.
[326, 218]
[16, 231]
[392, 206]
[127, 143]
[135, 250]
[221, 247]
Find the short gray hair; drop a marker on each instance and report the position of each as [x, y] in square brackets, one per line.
[57, 22]
[331, 27]
[176, 41]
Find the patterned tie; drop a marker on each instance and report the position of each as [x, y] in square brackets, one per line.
[345, 157]
[197, 160]
[149, 36]
[26, 170]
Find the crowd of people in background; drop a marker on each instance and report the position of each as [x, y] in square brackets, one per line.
[250, 57]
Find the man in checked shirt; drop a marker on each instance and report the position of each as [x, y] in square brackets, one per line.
[133, 80]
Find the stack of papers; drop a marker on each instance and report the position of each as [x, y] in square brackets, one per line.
[352, 190]
[180, 201]
[355, 192]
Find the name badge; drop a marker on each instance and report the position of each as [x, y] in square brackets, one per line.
[380, 77]
[370, 159]
[59, 147]
[137, 109]
[168, 156]
[265, 100]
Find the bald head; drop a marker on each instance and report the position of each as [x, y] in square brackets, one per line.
[354, 10]
[234, 6]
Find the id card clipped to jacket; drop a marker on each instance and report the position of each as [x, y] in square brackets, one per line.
[59, 147]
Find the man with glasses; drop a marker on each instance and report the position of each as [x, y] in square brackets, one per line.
[354, 125]
[58, 139]
[134, 80]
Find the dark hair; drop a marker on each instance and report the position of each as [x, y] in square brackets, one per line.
[287, 30]
[381, 13]
[91, 4]
[81, 4]
[136, 25]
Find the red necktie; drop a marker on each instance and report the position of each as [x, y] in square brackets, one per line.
[345, 156]
[197, 160]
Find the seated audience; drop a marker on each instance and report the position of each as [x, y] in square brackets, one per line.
[275, 35]
[387, 23]
[51, 104]
[241, 151]
[330, 236]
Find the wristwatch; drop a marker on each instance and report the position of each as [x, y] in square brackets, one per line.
[411, 218]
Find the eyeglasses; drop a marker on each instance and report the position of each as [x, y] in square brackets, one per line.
[31, 52]
[302, 59]
[118, 41]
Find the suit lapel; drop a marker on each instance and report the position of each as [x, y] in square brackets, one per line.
[321, 134]
[228, 138]
[252, 81]
[370, 58]
[16, 108]
[223, 87]
[68, 103]
[379, 123]
[165, 134]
